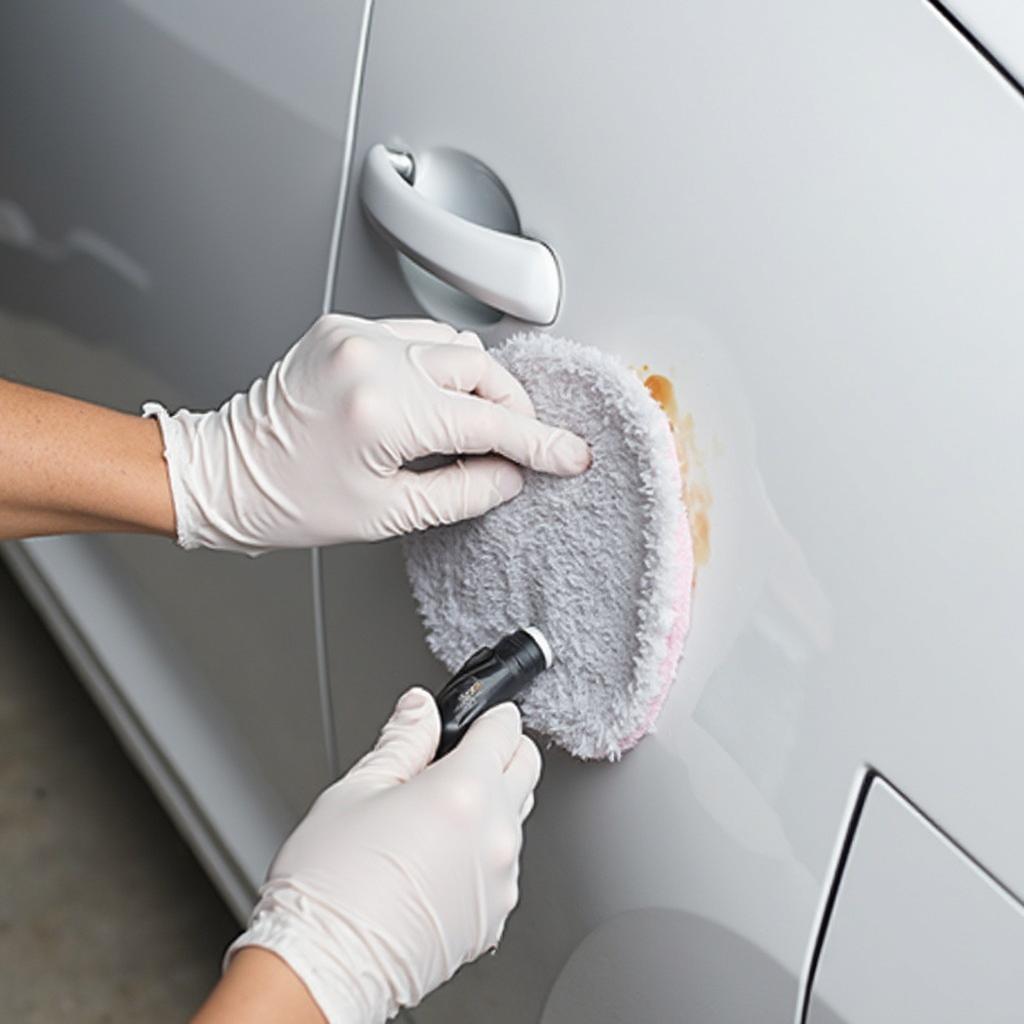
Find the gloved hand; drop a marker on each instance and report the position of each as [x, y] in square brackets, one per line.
[314, 453]
[400, 873]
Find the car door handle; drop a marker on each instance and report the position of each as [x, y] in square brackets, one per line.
[516, 275]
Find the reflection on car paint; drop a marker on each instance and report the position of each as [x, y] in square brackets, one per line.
[17, 230]
[655, 964]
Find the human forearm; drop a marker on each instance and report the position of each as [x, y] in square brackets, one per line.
[67, 466]
[259, 988]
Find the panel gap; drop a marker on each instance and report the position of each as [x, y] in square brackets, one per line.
[976, 44]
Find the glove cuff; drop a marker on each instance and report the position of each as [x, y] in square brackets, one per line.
[338, 974]
[176, 449]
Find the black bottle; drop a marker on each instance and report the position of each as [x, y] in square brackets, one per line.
[491, 676]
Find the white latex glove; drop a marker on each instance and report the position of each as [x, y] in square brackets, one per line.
[400, 873]
[314, 453]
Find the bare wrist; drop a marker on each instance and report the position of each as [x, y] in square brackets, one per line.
[259, 988]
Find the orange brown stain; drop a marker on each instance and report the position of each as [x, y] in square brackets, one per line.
[696, 492]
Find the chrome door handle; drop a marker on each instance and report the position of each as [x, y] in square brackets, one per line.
[516, 275]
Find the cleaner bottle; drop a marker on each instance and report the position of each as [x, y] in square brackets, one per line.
[491, 676]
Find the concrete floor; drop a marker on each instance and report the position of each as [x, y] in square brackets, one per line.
[104, 914]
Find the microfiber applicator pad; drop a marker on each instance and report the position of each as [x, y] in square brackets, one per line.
[602, 562]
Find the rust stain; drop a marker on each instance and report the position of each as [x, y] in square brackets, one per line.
[663, 392]
[696, 492]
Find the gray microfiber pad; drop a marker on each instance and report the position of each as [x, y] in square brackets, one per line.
[602, 563]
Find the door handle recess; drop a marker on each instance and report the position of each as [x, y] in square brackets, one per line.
[516, 275]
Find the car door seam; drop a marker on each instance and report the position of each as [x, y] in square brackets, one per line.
[970, 858]
[323, 671]
[855, 806]
[961, 29]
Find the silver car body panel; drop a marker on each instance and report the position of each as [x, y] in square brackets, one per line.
[805, 219]
[169, 201]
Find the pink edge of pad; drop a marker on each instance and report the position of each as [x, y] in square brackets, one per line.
[680, 607]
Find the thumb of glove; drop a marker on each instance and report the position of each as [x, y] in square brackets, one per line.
[407, 742]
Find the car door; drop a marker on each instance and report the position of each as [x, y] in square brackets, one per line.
[169, 181]
[802, 219]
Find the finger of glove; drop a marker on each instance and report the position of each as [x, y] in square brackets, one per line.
[475, 425]
[421, 329]
[492, 740]
[523, 772]
[499, 931]
[407, 742]
[474, 371]
[526, 809]
[469, 339]
[467, 488]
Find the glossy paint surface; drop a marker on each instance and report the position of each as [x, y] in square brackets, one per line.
[998, 25]
[168, 184]
[806, 223]
[800, 227]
